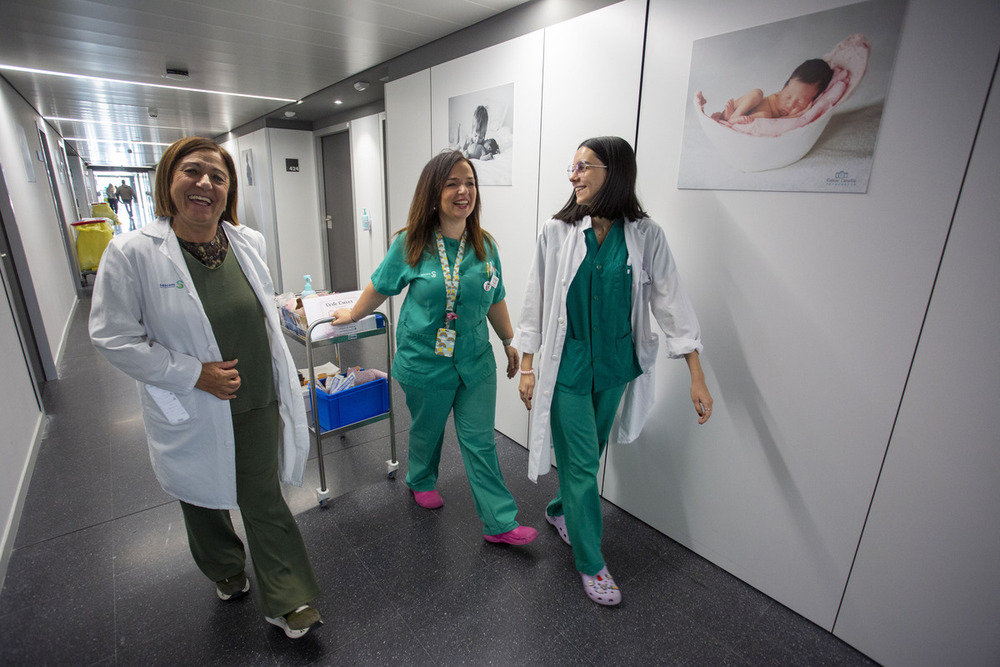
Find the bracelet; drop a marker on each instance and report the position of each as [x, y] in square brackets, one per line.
[530, 371]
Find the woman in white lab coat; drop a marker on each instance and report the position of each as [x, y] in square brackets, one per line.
[602, 272]
[185, 306]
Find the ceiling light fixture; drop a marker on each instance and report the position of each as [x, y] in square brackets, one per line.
[289, 114]
[59, 119]
[338, 101]
[361, 85]
[32, 70]
[114, 141]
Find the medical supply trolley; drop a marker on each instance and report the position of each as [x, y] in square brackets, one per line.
[344, 411]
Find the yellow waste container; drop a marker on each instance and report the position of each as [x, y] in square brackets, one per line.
[92, 237]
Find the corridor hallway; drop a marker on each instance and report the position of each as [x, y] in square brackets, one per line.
[101, 575]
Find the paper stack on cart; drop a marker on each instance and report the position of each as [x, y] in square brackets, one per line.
[322, 306]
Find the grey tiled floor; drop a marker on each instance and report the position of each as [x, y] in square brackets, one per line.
[101, 575]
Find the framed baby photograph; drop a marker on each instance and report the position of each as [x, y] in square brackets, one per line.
[481, 125]
[794, 105]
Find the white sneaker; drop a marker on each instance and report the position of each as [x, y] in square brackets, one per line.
[298, 622]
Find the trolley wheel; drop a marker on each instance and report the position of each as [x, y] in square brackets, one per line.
[323, 497]
[390, 468]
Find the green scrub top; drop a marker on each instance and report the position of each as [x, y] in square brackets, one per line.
[599, 353]
[423, 311]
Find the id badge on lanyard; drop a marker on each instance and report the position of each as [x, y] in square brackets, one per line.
[444, 343]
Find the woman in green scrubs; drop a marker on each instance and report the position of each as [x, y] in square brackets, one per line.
[444, 361]
[601, 269]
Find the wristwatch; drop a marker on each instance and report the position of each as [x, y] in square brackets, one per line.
[506, 341]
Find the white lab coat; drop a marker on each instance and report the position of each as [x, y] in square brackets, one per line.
[656, 288]
[147, 319]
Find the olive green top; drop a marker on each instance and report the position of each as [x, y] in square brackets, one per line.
[237, 320]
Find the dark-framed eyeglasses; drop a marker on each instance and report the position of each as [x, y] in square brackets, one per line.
[582, 167]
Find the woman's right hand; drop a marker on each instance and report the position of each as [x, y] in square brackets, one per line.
[220, 379]
[526, 388]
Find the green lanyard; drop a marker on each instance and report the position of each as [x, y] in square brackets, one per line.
[450, 277]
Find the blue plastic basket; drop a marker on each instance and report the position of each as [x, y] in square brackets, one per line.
[352, 405]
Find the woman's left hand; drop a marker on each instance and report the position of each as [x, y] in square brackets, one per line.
[513, 361]
[702, 401]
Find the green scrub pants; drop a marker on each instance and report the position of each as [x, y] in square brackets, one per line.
[580, 428]
[281, 567]
[475, 413]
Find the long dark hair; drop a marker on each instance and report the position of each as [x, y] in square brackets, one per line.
[423, 217]
[616, 198]
[179, 150]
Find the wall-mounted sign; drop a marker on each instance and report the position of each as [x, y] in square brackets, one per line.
[291, 164]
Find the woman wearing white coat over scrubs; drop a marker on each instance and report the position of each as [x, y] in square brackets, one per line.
[185, 305]
[601, 268]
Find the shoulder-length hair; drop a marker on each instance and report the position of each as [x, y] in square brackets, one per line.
[616, 198]
[423, 217]
[167, 168]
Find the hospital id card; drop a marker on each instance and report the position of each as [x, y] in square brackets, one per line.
[444, 344]
[169, 405]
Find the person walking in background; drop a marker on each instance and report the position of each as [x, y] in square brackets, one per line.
[112, 195]
[126, 195]
[185, 305]
[444, 361]
[601, 268]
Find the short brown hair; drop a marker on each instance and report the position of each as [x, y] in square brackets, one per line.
[423, 217]
[179, 150]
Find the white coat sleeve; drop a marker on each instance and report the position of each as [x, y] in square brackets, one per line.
[118, 332]
[528, 334]
[668, 301]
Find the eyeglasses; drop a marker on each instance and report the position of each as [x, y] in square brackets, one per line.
[582, 167]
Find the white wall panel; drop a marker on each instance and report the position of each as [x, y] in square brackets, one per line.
[256, 204]
[367, 175]
[925, 589]
[22, 423]
[408, 140]
[810, 304]
[302, 237]
[40, 229]
[591, 89]
[408, 148]
[508, 212]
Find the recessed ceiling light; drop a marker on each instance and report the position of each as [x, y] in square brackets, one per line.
[361, 85]
[289, 114]
[338, 102]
